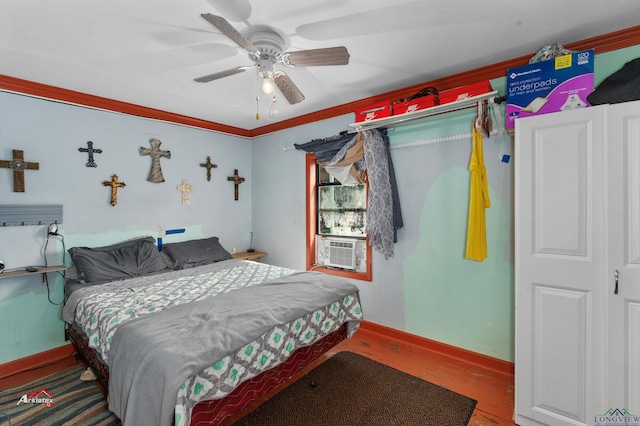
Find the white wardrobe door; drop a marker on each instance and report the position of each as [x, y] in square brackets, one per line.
[559, 267]
[623, 335]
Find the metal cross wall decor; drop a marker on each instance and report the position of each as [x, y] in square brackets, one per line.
[237, 180]
[114, 184]
[186, 188]
[18, 165]
[155, 174]
[209, 165]
[91, 151]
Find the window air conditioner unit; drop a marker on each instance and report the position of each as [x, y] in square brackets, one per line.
[340, 253]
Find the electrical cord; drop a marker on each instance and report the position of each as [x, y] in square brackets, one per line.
[52, 230]
[7, 416]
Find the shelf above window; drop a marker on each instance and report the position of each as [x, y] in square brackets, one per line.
[424, 113]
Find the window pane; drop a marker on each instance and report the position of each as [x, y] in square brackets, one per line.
[350, 197]
[342, 210]
[349, 223]
[324, 177]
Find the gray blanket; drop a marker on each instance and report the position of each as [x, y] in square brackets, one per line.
[153, 355]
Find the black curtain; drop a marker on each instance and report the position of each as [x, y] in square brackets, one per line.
[325, 149]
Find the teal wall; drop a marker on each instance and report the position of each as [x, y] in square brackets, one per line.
[50, 133]
[427, 289]
[448, 298]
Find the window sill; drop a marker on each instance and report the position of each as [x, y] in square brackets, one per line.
[363, 276]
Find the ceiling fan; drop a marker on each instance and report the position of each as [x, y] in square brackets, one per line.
[266, 48]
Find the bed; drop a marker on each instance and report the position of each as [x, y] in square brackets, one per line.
[191, 335]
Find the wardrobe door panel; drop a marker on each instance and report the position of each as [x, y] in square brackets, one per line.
[623, 267]
[559, 198]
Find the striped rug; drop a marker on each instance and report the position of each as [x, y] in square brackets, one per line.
[59, 399]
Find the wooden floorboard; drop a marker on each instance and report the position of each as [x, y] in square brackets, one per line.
[493, 391]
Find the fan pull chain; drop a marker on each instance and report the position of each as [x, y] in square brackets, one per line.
[257, 107]
[272, 108]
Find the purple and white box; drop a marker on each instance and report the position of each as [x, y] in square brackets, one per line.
[558, 84]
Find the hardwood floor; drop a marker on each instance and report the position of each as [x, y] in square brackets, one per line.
[35, 373]
[493, 390]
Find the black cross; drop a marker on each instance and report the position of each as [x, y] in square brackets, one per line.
[90, 150]
[237, 180]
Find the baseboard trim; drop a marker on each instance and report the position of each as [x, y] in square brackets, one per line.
[494, 364]
[480, 360]
[36, 360]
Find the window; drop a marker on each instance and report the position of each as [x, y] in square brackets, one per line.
[335, 211]
[341, 208]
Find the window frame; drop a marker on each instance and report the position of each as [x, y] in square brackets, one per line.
[312, 229]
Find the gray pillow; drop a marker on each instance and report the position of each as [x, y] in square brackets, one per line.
[195, 253]
[118, 261]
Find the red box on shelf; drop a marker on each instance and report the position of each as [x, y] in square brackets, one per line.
[402, 107]
[372, 112]
[464, 92]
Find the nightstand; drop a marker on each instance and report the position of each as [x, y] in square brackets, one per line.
[250, 255]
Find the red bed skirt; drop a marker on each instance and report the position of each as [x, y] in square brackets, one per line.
[216, 411]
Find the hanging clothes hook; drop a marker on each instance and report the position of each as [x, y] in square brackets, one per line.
[485, 119]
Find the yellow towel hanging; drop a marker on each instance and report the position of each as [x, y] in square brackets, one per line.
[478, 201]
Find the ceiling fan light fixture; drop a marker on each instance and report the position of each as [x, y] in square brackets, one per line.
[267, 85]
[266, 48]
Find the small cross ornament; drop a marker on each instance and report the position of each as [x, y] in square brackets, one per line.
[186, 188]
[18, 165]
[114, 184]
[237, 180]
[209, 165]
[90, 150]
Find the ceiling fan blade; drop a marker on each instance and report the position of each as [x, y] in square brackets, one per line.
[327, 56]
[288, 89]
[221, 74]
[236, 10]
[227, 29]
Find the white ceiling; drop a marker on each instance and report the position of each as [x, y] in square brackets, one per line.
[147, 52]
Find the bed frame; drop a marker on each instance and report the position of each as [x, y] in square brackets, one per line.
[217, 411]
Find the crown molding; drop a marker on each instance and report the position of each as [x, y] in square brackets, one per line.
[58, 94]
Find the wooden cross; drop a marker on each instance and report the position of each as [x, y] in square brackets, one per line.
[237, 180]
[209, 165]
[155, 174]
[114, 184]
[90, 150]
[186, 189]
[18, 165]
